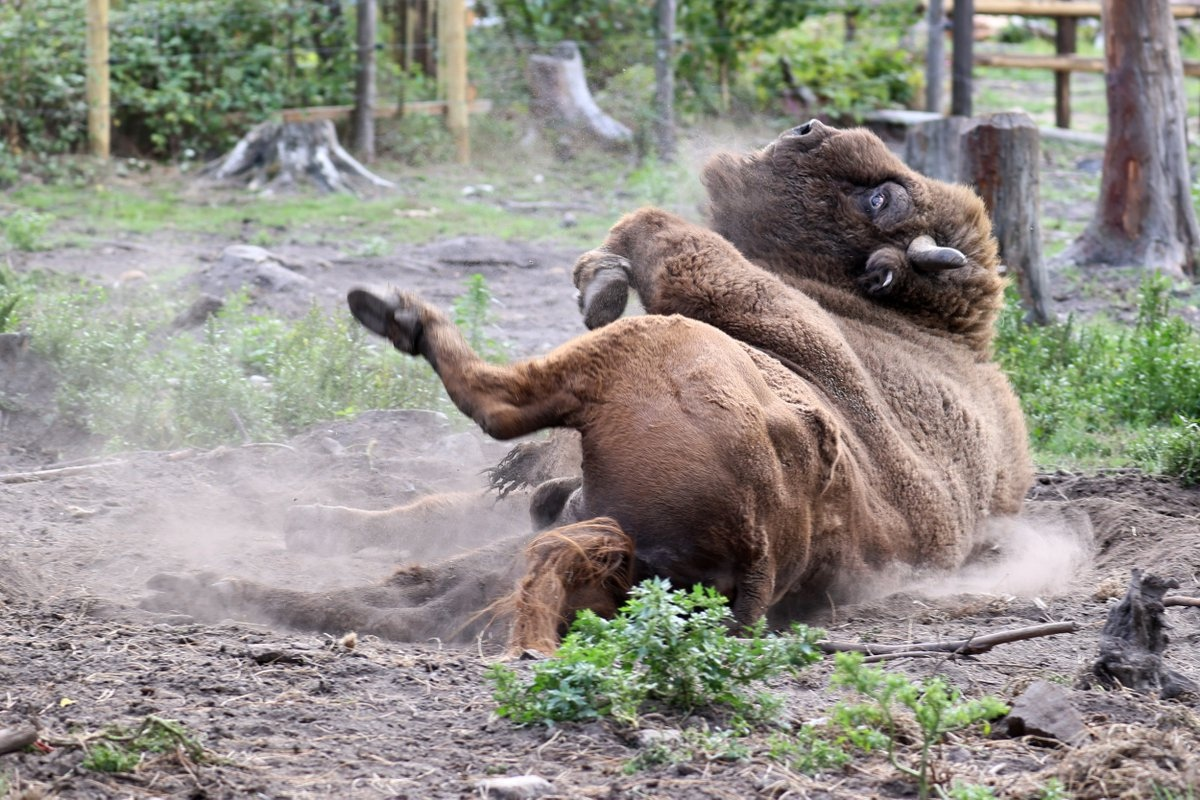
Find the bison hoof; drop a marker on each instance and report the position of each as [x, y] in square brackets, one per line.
[882, 273]
[398, 321]
[603, 282]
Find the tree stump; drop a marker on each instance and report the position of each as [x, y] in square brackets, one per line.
[563, 104]
[276, 156]
[998, 155]
[1134, 639]
[1000, 159]
[934, 148]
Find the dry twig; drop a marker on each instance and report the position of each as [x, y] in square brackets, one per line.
[963, 647]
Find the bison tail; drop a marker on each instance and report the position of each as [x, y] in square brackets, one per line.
[584, 565]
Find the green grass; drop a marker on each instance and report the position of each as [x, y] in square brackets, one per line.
[1099, 393]
[429, 203]
[127, 376]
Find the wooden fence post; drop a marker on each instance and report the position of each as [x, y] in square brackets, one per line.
[664, 80]
[452, 33]
[98, 95]
[963, 56]
[363, 120]
[1000, 155]
[935, 68]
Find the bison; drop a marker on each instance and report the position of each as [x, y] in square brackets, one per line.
[810, 398]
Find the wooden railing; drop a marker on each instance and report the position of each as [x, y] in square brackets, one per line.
[1065, 13]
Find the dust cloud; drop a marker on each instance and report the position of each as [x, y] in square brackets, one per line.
[1037, 554]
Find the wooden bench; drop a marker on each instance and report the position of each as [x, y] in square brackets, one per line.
[1065, 13]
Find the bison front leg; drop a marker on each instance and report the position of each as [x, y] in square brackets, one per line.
[680, 268]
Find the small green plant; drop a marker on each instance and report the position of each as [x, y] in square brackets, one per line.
[807, 750]
[969, 791]
[121, 749]
[936, 706]
[24, 229]
[690, 745]
[665, 648]
[12, 294]
[372, 247]
[1054, 790]
[473, 314]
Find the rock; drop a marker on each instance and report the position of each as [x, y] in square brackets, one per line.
[515, 787]
[247, 266]
[1044, 710]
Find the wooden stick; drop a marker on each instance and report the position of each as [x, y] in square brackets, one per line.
[17, 738]
[61, 472]
[967, 647]
[1180, 600]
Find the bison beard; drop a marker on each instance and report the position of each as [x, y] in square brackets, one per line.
[810, 398]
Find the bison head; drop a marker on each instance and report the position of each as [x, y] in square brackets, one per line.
[838, 207]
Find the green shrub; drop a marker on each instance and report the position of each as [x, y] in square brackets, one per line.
[848, 79]
[178, 69]
[663, 649]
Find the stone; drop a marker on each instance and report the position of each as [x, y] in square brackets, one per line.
[1044, 710]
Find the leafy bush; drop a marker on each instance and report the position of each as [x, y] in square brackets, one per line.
[847, 79]
[664, 648]
[12, 294]
[178, 69]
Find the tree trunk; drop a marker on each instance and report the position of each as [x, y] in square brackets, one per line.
[1145, 215]
[363, 120]
[664, 81]
[563, 105]
[276, 156]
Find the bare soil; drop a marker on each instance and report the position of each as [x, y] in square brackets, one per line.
[302, 715]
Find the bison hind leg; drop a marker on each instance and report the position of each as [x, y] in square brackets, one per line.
[587, 564]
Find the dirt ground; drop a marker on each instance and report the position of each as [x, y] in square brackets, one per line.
[300, 715]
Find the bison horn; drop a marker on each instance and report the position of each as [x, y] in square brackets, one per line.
[927, 256]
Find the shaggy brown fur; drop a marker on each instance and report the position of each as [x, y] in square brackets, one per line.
[807, 401]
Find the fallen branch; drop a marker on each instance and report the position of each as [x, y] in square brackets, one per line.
[60, 472]
[1180, 600]
[963, 647]
[17, 738]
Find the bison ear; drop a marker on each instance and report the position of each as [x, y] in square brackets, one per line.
[374, 313]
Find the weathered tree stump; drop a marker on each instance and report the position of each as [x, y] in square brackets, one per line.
[276, 156]
[998, 155]
[1134, 639]
[562, 103]
[1000, 159]
[934, 148]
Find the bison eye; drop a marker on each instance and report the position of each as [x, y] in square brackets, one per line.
[878, 200]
